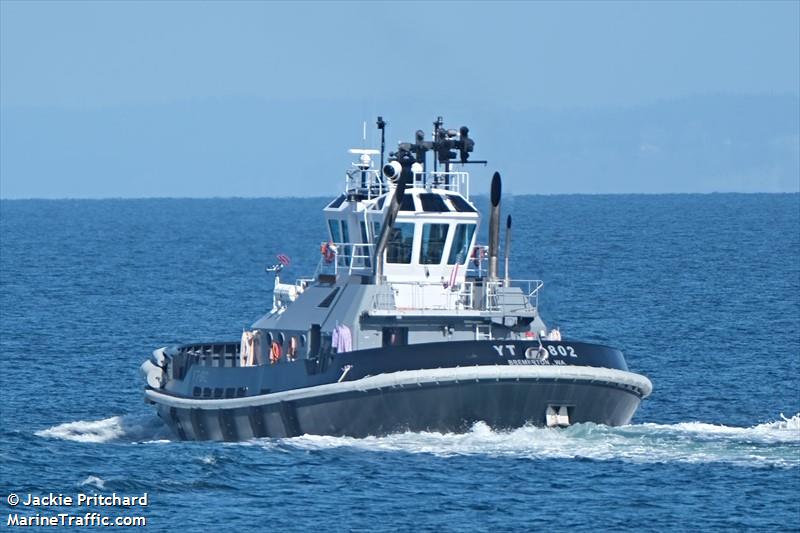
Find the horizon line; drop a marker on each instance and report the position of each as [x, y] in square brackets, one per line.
[507, 194]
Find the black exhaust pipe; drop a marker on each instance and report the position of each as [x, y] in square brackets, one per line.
[507, 248]
[494, 226]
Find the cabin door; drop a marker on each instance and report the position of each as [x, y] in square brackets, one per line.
[395, 336]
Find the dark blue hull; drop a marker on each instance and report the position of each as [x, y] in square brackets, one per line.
[450, 408]
[444, 387]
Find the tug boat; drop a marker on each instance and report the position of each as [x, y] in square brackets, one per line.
[407, 325]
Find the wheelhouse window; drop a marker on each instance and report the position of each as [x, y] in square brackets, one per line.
[461, 241]
[361, 254]
[346, 251]
[337, 203]
[461, 205]
[433, 203]
[336, 235]
[401, 243]
[433, 238]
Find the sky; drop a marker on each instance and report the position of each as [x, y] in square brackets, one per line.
[129, 99]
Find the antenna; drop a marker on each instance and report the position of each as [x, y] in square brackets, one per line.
[364, 133]
[437, 125]
[382, 126]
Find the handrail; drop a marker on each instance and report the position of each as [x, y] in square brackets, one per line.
[465, 296]
[478, 256]
[352, 257]
[529, 287]
[366, 182]
[533, 288]
[450, 181]
[450, 298]
[209, 354]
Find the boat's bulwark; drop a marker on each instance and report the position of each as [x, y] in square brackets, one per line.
[445, 399]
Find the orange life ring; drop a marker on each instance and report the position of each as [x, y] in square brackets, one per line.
[275, 353]
[326, 250]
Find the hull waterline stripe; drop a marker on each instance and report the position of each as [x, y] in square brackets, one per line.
[435, 376]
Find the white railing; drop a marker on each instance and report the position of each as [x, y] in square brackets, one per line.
[494, 299]
[352, 258]
[449, 181]
[531, 288]
[423, 295]
[483, 333]
[303, 283]
[366, 182]
[466, 296]
[437, 296]
[478, 261]
[369, 184]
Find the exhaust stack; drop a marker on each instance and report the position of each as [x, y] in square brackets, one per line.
[507, 248]
[494, 226]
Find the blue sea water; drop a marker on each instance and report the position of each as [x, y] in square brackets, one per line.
[702, 292]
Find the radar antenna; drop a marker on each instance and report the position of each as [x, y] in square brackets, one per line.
[448, 146]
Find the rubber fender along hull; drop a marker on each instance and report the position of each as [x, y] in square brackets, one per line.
[446, 405]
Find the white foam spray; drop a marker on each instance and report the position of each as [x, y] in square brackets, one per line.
[775, 443]
[126, 428]
[769, 444]
[93, 481]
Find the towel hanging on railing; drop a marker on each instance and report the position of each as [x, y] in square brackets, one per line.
[250, 348]
[342, 339]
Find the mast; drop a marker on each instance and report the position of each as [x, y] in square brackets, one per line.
[382, 127]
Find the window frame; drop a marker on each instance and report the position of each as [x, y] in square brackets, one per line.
[333, 224]
[391, 244]
[424, 256]
[451, 259]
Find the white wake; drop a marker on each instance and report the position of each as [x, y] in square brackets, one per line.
[126, 428]
[774, 443]
[770, 444]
